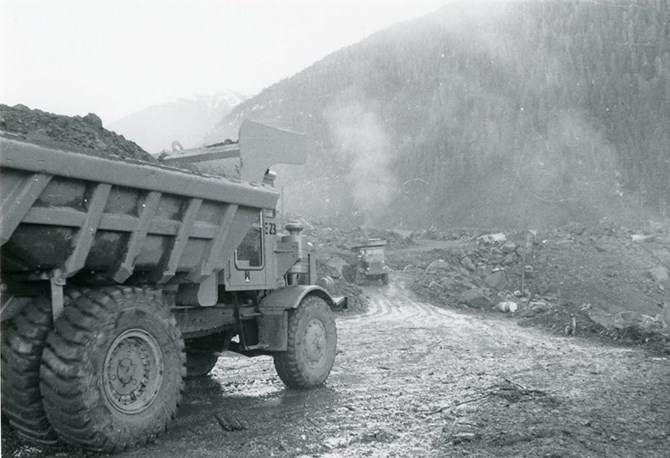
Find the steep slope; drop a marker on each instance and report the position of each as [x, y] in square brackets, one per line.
[500, 113]
[185, 120]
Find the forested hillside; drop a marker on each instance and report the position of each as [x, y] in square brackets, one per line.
[499, 113]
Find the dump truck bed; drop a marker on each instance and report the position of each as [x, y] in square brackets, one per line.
[68, 212]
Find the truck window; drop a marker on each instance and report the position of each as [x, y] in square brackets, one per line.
[249, 254]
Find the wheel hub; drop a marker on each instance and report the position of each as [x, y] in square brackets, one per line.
[133, 371]
[314, 343]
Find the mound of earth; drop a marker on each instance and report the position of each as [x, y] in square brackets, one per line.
[71, 133]
[603, 280]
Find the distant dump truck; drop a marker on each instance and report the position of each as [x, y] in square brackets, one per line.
[119, 279]
[367, 262]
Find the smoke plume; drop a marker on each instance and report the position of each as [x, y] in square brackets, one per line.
[363, 149]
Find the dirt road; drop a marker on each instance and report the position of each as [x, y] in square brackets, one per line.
[414, 380]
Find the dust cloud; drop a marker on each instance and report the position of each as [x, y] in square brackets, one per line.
[363, 147]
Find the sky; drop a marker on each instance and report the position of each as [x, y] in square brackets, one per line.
[119, 56]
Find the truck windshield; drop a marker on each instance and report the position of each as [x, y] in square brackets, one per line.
[374, 251]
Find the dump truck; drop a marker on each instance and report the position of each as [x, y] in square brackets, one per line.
[367, 261]
[121, 278]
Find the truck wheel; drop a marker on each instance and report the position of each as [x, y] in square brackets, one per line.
[312, 343]
[385, 279]
[199, 364]
[23, 340]
[112, 371]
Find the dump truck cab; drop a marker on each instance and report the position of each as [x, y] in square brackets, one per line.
[367, 262]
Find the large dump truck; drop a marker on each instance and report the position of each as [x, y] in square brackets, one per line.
[120, 279]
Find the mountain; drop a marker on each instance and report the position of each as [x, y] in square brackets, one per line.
[185, 120]
[516, 113]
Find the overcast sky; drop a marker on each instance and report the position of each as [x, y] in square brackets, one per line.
[118, 56]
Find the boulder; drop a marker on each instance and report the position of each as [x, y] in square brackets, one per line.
[438, 264]
[659, 274]
[475, 298]
[576, 228]
[468, 264]
[509, 259]
[497, 279]
[93, 120]
[509, 247]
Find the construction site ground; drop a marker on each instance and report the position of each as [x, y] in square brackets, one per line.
[413, 379]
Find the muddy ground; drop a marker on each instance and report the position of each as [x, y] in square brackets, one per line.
[412, 379]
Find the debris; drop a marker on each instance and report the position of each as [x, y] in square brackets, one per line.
[475, 298]
[576, 228]
[493, 238]
[659, 274]
[507, 306]
[496, 279]
[467, 262]
[227, 423]
[438, 264]
[326, 283]
[459, 438]
[75, 133]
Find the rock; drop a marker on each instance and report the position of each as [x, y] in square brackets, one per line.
[439, 264]
[664, 316]
[492, 238]
[467, 262]
[475, 298]
[507, 306]
[460, 438]
[659, 274]
[509, 247]
[497, 279]
[546, 289]
[93, 120]
[509, 259]
[529, 271]
[576, 228]
[326, 282]
[626, 319]
[39, 135]
[538, 306]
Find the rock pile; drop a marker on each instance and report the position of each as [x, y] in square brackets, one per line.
[71, 133]
[604, 280]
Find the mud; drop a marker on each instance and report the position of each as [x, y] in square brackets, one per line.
[411, 379]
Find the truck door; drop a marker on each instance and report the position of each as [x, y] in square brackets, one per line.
[248, 268]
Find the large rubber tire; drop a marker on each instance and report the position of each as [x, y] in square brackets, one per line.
[200, 363]
[312, 344]
[113, 368]
[23, 340]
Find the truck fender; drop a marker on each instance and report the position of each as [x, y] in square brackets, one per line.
[274, 312]
[290, 297]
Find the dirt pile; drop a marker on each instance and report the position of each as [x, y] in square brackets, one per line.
[601, 280]
[71, 133]
[577, 280]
